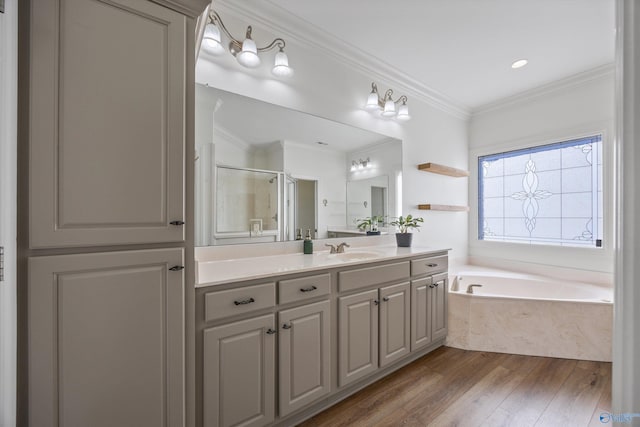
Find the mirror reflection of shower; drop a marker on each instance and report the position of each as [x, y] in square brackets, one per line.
[254, 205]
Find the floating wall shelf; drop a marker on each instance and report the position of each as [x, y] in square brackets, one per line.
[451, 208]
[442, 170]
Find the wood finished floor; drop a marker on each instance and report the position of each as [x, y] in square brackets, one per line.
[452, 387]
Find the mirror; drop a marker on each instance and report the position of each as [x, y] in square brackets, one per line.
[265, 173]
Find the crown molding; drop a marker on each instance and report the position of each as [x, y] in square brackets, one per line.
[301, 32]
[547, 89]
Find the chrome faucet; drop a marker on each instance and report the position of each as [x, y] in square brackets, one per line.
[470, 287]
[333, 248]
[341, 247]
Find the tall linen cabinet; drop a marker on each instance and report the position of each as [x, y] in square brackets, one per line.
[106, 246]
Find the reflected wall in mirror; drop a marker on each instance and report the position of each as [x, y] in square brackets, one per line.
[265, 173]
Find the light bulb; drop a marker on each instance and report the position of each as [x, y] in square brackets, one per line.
[248, 57]
[281, 65]
[211, 40]
[403, 112]
[389, 108]
[372, 102]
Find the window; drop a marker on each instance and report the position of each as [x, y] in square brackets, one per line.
[549, 194]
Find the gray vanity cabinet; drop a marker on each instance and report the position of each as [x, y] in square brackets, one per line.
[106, 123]
[439, 306]
[358, 331]
[421, 313]
[395, 309]
[304, 355]
[239, 373]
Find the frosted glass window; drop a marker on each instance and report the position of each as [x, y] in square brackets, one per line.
[549, 194]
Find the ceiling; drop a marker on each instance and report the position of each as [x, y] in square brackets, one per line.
[464, 49]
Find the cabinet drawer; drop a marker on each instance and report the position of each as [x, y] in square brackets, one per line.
[429, 265]
[238, 301]
[362, 277]
[303, 288]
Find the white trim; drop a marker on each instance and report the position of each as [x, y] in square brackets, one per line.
[588, 259]
[544, 90]
[626, 342]
[301, 32]
[8, 175]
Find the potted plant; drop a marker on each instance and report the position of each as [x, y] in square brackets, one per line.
[369, 224]
[404, 224]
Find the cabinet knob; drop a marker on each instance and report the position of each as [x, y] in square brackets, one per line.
[308, 289]
[244, 301]
[285, 326]
[385, 299]
[376, 302]
[271, 331]
[177, 223]
[176, 268]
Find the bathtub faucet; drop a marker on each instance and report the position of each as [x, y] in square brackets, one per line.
[470, 287]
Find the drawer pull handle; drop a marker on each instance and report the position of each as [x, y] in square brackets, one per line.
[431, 286]
[271, 331]
[309, 289]
[285, 326]
[177, 223]
[376, 302]
[177, 268]
[435, 284]
[385, 299]
[432, 265]
[244, 301]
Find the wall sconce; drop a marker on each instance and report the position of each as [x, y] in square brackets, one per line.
[360, 164]
[387, 106]
[245, 52]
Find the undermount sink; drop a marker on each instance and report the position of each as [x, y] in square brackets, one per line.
[355, 255]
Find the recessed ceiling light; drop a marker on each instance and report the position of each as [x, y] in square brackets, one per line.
[519, 63]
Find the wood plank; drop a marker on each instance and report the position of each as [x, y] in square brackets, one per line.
[451, 208]
[526, 403]
[443, 170]
[461, 387]
[574, 403]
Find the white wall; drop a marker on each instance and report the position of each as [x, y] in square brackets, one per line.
[8, 138]
[574, 107]
[325, 87]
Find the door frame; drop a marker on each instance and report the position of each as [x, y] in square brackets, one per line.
[8, 197]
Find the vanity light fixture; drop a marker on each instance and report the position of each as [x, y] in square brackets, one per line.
[386, 105]
[360, 164]
[246, 52]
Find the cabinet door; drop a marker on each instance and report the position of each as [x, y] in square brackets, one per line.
[358, 336]
[106, 339]
[395, 325]
[421, 292]
[305, 355]
[239, 373]
[439, 306]
[106, 123]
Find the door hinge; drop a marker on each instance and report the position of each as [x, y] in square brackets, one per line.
[1, 262]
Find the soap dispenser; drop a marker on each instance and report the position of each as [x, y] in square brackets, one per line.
[308, 243]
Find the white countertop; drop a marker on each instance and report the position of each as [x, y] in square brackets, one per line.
[209, 273]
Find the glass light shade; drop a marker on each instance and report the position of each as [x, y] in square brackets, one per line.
[389, 108]
[248, 57]
[281, 65]
[211, 40]
[403, 113]
[372, 102]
